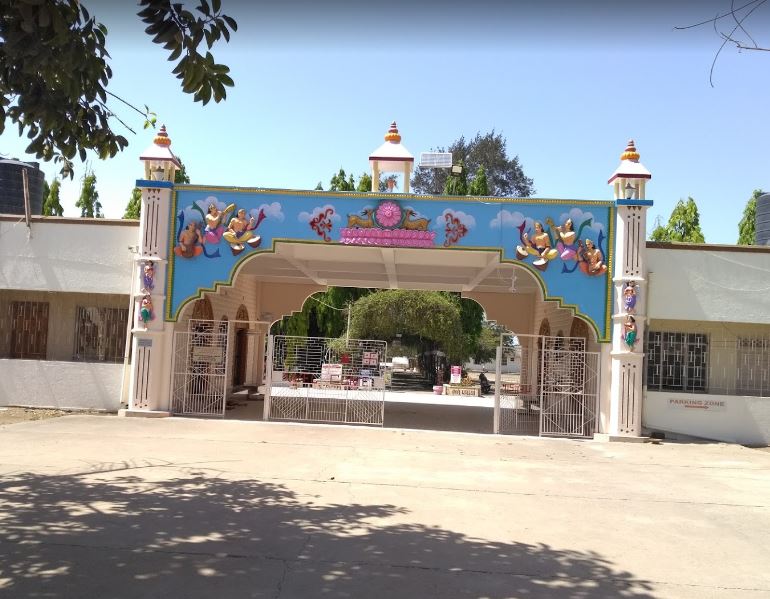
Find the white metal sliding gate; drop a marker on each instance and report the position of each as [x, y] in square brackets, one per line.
[317, 379]
[553, 388]
[199, 369]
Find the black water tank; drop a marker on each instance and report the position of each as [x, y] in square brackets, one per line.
[12, 187]
[763, 219]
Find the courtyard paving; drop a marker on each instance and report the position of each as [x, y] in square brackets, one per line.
[100, 506]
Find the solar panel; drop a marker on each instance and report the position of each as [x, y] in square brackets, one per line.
[435, 160]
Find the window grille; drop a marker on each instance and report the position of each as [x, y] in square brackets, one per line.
[677, 362]
[100, 334]
[752, 372]
[24, 330]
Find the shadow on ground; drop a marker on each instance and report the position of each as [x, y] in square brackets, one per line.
[132, 531]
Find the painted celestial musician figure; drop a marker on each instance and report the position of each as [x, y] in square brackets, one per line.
[629, 297]
[566, 235]
[590, 258]
[190, 241]
[539, 245]
[215, 220]
[240, 231]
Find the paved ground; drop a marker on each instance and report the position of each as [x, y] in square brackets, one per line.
[99, 506]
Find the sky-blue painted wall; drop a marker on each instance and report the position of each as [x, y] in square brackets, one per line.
[483, 223]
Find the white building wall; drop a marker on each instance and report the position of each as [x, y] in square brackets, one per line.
[709, 283]
[54, 384]
[67, 254]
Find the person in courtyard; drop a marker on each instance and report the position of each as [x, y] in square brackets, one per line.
[486, 386]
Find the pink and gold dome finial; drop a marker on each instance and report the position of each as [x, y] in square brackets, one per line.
[162, 138]
[392, 135]
[630, 152]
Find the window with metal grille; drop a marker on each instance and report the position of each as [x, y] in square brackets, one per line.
[25, 326]
[100, 334]
[677, 361]
[752, 374]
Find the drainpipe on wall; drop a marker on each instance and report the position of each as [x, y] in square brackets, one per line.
[133, 249]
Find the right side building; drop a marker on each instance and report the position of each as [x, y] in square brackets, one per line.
[707, 350]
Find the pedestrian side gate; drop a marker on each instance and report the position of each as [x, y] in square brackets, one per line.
[199, 369]
[552, 388]
[319, 379]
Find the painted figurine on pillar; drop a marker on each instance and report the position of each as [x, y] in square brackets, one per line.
[629, 297]
[146, 313]
[148, 277]
[629, 332]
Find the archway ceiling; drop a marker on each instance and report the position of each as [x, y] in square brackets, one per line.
[388, 268]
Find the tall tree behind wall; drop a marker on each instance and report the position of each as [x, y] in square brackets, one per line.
[89, 198]
[747, 228]
[683, 224]
[52, 204]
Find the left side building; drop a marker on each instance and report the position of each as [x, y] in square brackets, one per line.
[64, 311]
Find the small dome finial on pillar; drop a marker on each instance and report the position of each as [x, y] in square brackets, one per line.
[392, 135]
[162, 138]
[630, 152]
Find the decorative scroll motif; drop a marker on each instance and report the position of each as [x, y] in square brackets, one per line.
[454, 230]
[322, 224]
[388, 225]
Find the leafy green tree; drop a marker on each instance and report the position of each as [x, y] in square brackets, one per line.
[683, 225]
[46, 191]
[457, 183]
[429, 317]
[479, 185]
[340, 182]
[89, 198]
[181, 176]
[319, 186]
[364, 183]
[134, 206]
[747, 228]
[52, 204]
[505, 175]
[54, 71]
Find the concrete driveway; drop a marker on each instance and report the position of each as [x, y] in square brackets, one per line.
[100, 507]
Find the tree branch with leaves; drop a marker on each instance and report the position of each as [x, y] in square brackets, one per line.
[54, 72]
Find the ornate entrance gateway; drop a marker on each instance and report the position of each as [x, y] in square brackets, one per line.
[553, 389]
[317, 379]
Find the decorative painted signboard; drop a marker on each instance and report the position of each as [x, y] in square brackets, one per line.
[567, 245]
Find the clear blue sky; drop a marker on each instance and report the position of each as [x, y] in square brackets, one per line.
[567, 84]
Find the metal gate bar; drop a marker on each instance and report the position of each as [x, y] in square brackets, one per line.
[199, 369]
[319, 379]
[553, 389]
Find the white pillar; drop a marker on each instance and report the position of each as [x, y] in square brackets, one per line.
[626, 389]
[407, 175]
[375, 175]
[152, 342]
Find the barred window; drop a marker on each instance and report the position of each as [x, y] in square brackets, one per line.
[677, 362]
[100, 334]
[25, 326]
[753, 366]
